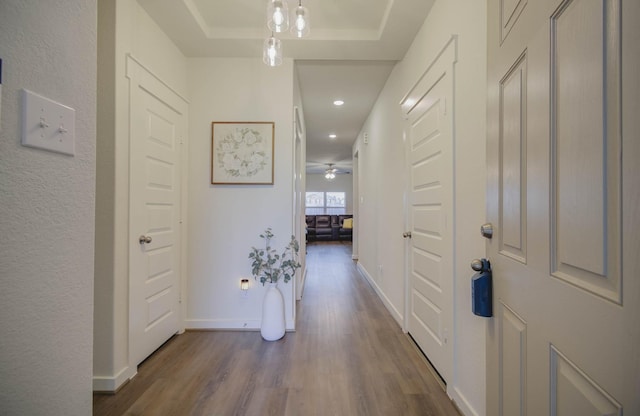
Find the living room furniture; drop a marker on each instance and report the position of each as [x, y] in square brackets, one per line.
[329, 227]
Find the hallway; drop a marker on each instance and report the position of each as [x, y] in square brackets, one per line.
[347, 357]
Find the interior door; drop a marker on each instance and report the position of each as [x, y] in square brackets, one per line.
[430, 154]
[158, 125]
[563, 198]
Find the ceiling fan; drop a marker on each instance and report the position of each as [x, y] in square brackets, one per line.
[330, 173]
[341, 167]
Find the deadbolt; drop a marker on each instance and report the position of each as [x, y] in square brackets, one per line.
[486, 230]
[406, 234]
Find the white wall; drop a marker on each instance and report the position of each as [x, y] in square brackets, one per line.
[226, 220]
[342, 183]
[382, 210]
[124, 28]
[47, 211]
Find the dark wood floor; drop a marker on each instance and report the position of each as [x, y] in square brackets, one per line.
[347, 357]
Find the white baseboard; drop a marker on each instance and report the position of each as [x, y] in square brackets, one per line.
[385, 300]
[461, 402]
[112, 384]
[354, 257]
[302, 283]
[231, 324]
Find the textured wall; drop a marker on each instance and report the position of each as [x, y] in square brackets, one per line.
[47, 213]
[382, 214]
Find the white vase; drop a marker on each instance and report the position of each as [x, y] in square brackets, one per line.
[272, 328]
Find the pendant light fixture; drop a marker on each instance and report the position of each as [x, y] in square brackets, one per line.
[272, 51]
[300, 26]
[278, 16]
[278, 22]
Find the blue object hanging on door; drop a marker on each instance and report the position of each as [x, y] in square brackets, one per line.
[481, 288]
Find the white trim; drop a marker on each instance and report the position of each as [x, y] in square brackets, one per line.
[112, 384]
[238, 324]
[385, 300]
[302, 282]
[230, 324]
[461, 402]
[129, 75]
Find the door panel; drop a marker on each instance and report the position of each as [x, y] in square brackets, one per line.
[574, 393]
[513, 157]
[513, 344]
[158, 124]
[565, 339]
[586, 164]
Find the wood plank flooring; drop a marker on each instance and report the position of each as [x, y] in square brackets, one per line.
[347, 357]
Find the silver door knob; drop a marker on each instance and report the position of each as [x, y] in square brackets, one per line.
[486, 230]
[144, 239]
[407, 234]
[481, 265]
[476, 264]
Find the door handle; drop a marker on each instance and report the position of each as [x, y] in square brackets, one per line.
[144, 239]
[481, 265]
[406, 234]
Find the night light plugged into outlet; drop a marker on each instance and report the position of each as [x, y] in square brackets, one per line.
[244, 287]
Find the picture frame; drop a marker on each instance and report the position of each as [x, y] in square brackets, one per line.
[242, 152]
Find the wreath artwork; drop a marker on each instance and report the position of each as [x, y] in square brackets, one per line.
[242, 153]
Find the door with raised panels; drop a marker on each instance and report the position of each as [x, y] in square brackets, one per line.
[564, 197]
[158, 125]
[427, 108]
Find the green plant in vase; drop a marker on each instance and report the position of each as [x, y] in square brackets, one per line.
[269, 266]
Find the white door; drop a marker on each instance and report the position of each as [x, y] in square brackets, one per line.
[430, 157]
[158, 125]
[564, 199]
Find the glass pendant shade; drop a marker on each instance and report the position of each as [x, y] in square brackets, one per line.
[272, 51]
[300, 25]
[278, 15]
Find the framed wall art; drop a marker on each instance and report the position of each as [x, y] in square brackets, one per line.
[242, 152]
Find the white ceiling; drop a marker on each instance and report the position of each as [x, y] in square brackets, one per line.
[349, 54]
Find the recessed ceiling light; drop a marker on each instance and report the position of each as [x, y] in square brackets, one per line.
[332, 136]
[338, 102]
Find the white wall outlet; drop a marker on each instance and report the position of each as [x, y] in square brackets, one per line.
[47, 124]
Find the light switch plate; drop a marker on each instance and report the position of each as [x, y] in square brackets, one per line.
[47, 124]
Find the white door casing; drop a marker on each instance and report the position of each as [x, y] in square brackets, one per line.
[299, 222]
[430, 152]
[157, 128]
[563, 96]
